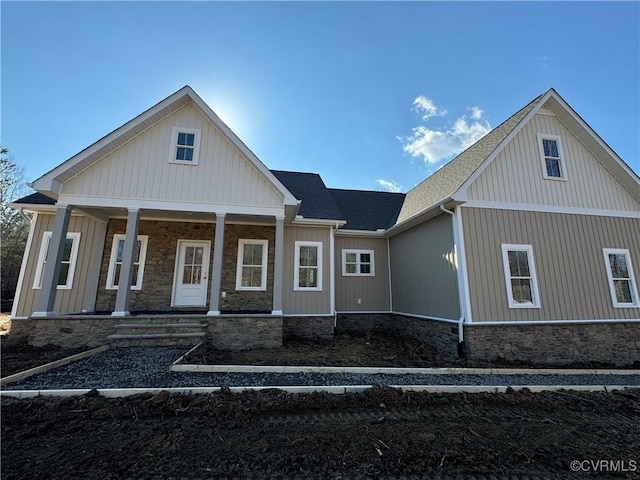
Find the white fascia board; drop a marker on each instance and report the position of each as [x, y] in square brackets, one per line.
[528, 207]
[360, 233]
[42, 183]
[423, 215]
[289, 199]
[169, 205]
[318, 222]
[462, 191]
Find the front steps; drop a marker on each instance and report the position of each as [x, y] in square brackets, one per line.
[157, 333]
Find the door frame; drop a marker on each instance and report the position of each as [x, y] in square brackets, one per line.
[205, 270]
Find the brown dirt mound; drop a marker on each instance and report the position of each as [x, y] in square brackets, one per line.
[380, 434]
[18, 357]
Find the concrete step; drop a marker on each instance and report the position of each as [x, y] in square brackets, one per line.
[160, 325]
[139, 334]
[129, 336]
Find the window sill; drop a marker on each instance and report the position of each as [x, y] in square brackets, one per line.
[556, 179]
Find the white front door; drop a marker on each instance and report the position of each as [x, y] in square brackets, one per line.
[191, 274]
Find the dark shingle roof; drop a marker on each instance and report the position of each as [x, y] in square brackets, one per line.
[317, 202]
[366, 210]
[36, 199]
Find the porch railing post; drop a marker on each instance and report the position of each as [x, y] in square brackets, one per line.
[48, 289]
[277, 267]
[126, 269]
[216, 274]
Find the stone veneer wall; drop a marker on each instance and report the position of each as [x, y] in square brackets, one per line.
[310, 328]
[244, 333]
[441, 336]
[67, 332]
[160, 261]
[608, 343]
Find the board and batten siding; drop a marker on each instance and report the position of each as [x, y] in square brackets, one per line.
[516, 174]
[82, 292]
[141, 169]
[423, 272]
[567, 250]
[306, 302]
[373, 291]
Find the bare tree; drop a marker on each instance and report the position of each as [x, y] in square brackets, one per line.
[14, 228]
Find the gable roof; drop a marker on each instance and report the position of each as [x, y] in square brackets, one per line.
[316, 201]
[444, 183]
[50, 183]
[454, 177]
[368, 210]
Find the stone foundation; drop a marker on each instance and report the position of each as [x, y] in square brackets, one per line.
[441, 336]
[244, 333]
[67, 332]
[310, 328]
[607, 343]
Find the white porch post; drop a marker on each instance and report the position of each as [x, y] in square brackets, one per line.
[216, 274]
[126, 269]
[47, 298]
[277, 267]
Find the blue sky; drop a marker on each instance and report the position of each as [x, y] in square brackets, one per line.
[371, 95]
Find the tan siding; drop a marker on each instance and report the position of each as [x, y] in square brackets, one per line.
[372, 291]
[423, 272]
[568, 257]
[306, 302]
[76, 298]
[516, 174]
[141, 169]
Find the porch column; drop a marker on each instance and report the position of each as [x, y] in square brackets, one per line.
[277, 267]
[216, 274]
[126, 269]
[47, 298]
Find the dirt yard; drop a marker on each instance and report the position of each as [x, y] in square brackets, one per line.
[19, 357]
[381, 434]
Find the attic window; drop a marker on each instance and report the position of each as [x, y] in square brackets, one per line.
[553, 164]
[185, 146]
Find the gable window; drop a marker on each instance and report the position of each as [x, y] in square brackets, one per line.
[185, 146]
[308, 266]
[68, 263]
[520, 276]
[115, 262]
[553, 165]
[357, 263]
[251, 273]
[622, 282]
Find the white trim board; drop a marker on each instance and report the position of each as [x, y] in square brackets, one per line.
[527, 207]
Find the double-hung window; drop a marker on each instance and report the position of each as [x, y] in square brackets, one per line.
[251, 273]
[622, 282]
[67, 265]
[185, 146]
[553, 164]
[520, 276]
[308, 266]
[115, 262]
[357, 263]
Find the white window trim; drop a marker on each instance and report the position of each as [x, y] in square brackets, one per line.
[635, 300]
[357, 273]
[265, 255]
[563, 160]
[114, 255]
[174, 145]
[296, 266]
[506, 247]
[37, 281]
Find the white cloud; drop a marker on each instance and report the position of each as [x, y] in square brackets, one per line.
[389, 185]
[425, 107]
[434, 145]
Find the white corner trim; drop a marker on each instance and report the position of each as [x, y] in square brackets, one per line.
[332, 269]
[463, 276]
[528, 207]
[23, 266]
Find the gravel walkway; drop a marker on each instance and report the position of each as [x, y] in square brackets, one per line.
[148, 367]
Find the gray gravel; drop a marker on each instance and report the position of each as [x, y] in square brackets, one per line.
[148, 367]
